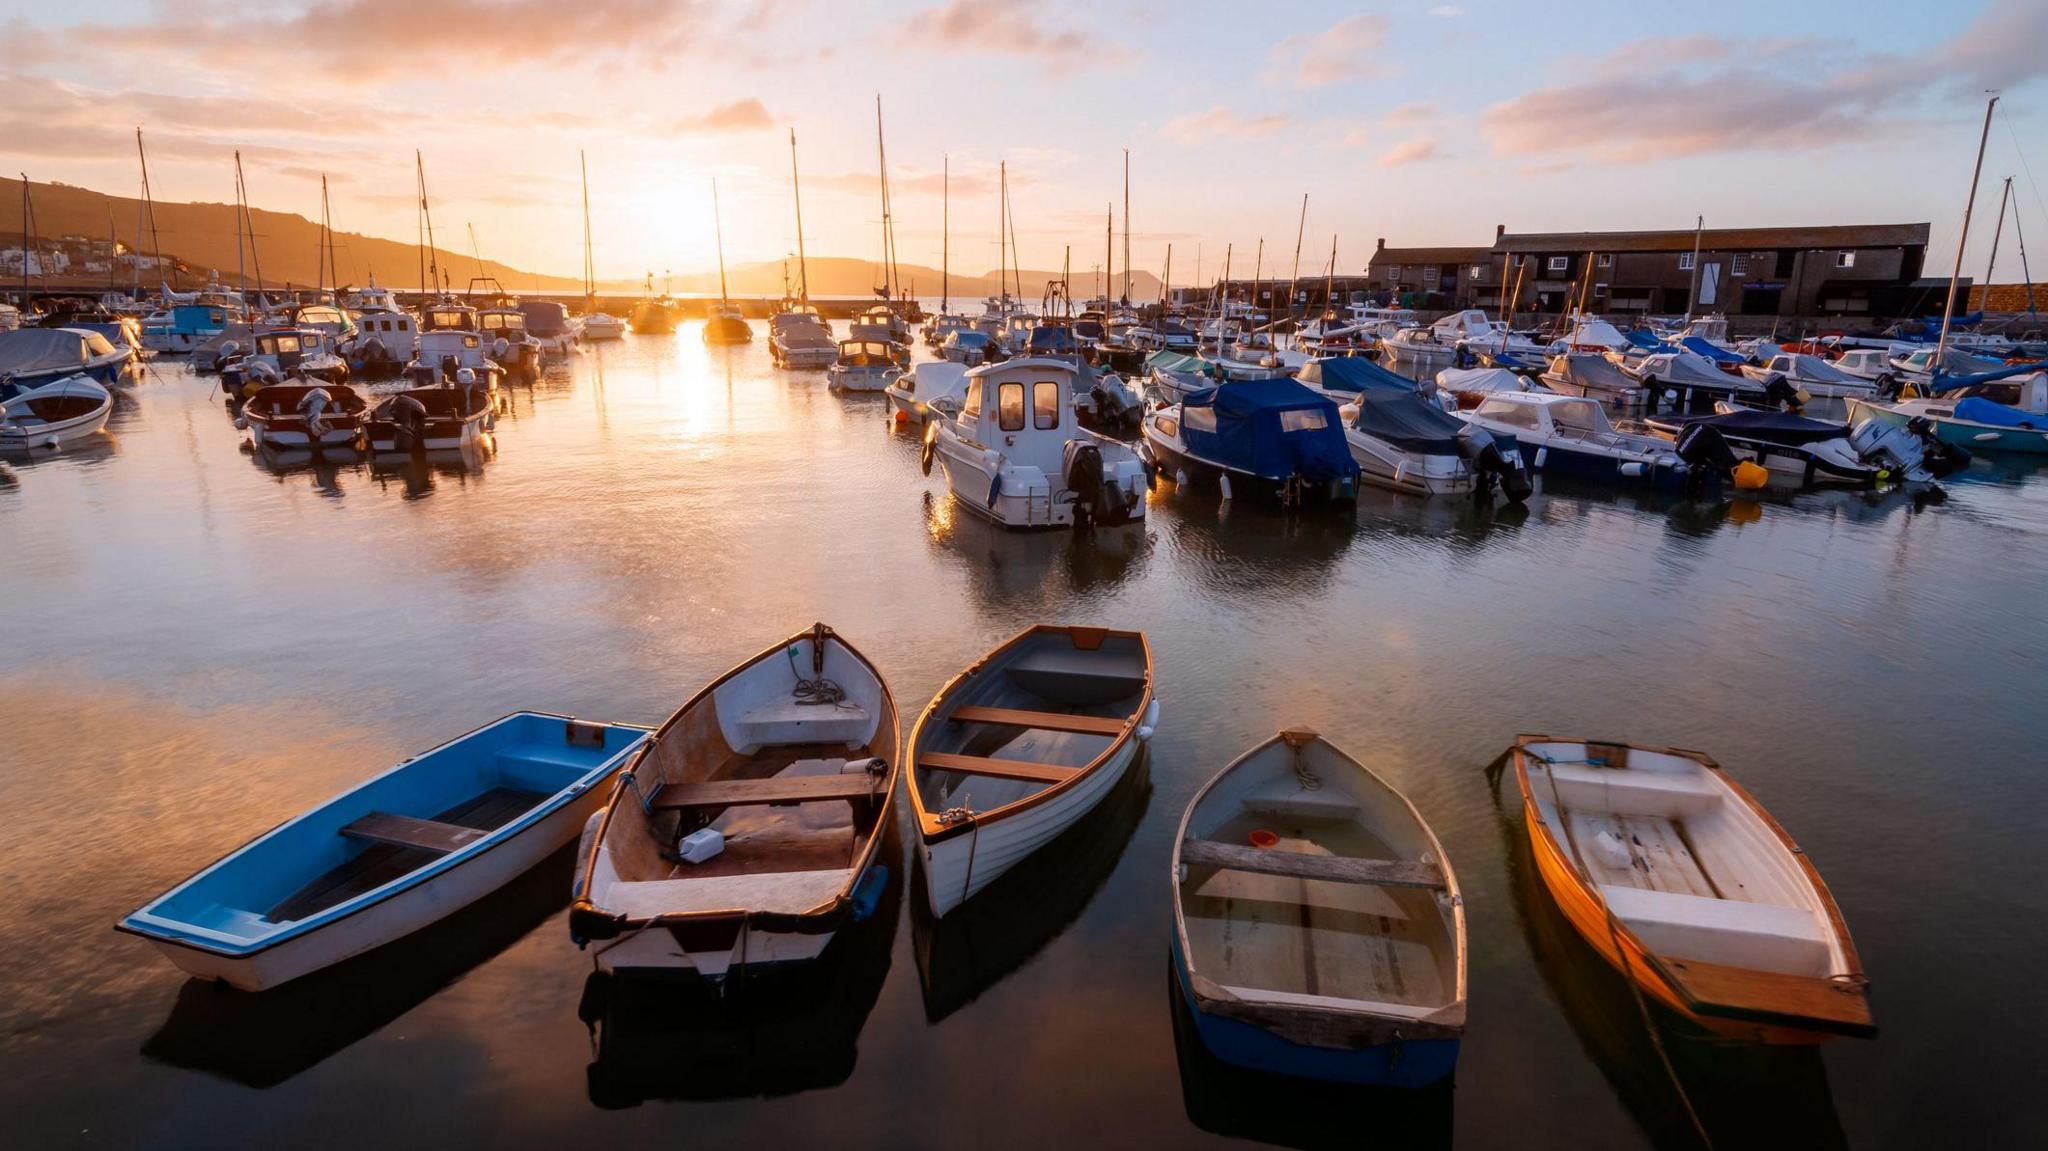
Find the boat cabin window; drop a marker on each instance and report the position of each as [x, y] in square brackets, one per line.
[1045, 405]
[278, 345]
[1303, 420]
[97, 344]
[471, 342]
[1010, 407]
[1511, 413]
[1199, 419]
[1578, 415]
[970, 408]
[1168, 425]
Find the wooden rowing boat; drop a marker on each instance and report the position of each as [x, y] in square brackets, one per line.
[1317, 927]
[1680, 879]
[791, 759]
[391, 856]
[1016, 748]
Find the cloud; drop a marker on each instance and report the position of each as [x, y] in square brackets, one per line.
[1408, 152]
[1417, 113]
[1698, 95]
[1222, 123]
[300, 172]
[1447, 11]
[1346, 50]
[748, 115]
[1000, 27]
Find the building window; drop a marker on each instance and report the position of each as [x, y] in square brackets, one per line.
[1685, 261]
[1599, 289]
[1559, 263]
[1606, 260]
[1429, 273]
[1393, 273]
[1738, 265]
[1477, 271]
[1845, 259]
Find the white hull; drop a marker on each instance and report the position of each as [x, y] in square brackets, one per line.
[860, 380]
[959, 867]
[393, 918]
[58, 434]
[1027, 500]
[1385, 466]
[655, 950]
[262, 435]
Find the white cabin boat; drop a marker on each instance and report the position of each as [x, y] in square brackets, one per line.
[1810, 374]
[450, 342]
[801, 338]
[1571, 436]
[1015, 453]
[863, 366]
[932, 389]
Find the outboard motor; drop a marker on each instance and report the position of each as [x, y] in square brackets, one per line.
[1462, 357]
[1707, 457]
[1938, 455]
[312, 406]
[1782, 395]
[408, 418]
[449, 366]
[1491, 467]
[1082, 467]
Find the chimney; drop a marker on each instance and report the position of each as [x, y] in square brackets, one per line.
[1383, 245]
[1499, 230]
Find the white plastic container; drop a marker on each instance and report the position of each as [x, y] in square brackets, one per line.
[702, 844]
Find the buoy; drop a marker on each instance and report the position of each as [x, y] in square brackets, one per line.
[1749, 477]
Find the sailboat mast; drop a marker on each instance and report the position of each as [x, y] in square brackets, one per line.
[589, 272]
[241, 275]
[945, 234]
[320, 244]
[113, 242]
[156, 247]
[1002, 235]
[1258, 277]
[427, 214]
[1127, 226]
[1294, 277]
[2019, 234]
[803, 267]
[718, 234]
[27, 239]
[1692, 293]
[1330, 279]
[1955, 276]
[1166, 281]
[327, 226]
[1108, 253]
[889, 277]
[1997, 232]
[248, 221]
[1223, 285]
[1016, 260]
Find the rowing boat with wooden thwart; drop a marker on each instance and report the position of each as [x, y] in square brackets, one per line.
[1317, 927]
[746, 833]
[1017, 747]
[391, 856]
[1680, 879]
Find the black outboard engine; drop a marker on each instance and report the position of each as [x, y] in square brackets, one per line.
[408, 417]
[1707, 457]
[1463, 358]
[1782, 395]
[1082, 467]
[1938, 456]
[1491, 467]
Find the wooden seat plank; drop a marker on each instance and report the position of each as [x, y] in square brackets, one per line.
[1770, 997]
[998, 768]
[407, 831]
[1042, 720]
[1338, 869]
[778, 789]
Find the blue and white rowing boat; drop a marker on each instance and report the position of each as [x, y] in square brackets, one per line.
[378, 862]
[1317, 927]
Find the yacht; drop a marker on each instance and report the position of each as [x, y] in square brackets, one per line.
[1016, 455]
[801, 338]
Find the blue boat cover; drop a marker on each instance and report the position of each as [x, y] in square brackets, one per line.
[1717, 354]
[1409, 422]
[1646, 341]
[1513, 362]
[1979, 410]
[1273, 428]
[1944, 382]
[1771, 427]
[1352, 374]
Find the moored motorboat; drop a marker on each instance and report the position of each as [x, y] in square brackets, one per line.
[55, 414]
[1811, 374]
[1589, 374]
[863, 366]
[32, 357]
[1681, 880]
[1813, 453]
[748, 831]
[1020, 745]
[1571, 435]
[390, 856]
[654, 317]
[1271, 440]
[932, 389]
[801, 338]
[1408, 444]
[1318, 929]
[2009, 414]
[303, 415]
[429, 419]
[1016, 452]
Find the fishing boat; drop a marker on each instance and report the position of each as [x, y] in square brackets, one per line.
[1811, 374]
[930, 390]
[1406, 443]
[450, 342]
[32, 357]
[282, 354]
[1023, 743]
[1687, 379]
[1873, 364]
[1571, 435]
[656, 315]
[801, 338]
[392, 855]
[384, 343]
[1680, 879]
[863, 366]
[182, 327]
[749, 828]
[54, 414]
[1318, 929]
[305, 416]
[969, 348]
[1016, 453]
[429, 419]
[1272, 440]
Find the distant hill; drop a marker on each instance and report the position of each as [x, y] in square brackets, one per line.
[203, 237]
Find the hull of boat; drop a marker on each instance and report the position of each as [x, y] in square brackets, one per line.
[1385, 466]
[393, 918]
[293, 433]
[55, 434]
[1184, 467]
[805, 359]
[1549, 459]
[861, 379]
[959, 867]
[1022, 502]
[1965, 434]
[1407, 1063]
[441, 435]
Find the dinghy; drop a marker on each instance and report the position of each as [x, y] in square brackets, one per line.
[1317, 927]
[391, 856]
[747, 832]
[55, 414]
[1675, 875]
[1022, 744]
[429, 419]
[305, 415]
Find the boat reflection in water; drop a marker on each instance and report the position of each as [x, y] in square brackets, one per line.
[1231, 549]
[1032, 575]
[261, 1039]
[418, 472]
[1746, 1095]
[1286, 1112]
[1011, 920]
[323, 468]
[762, 1033]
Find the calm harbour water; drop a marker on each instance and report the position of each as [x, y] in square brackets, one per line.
[194, 646]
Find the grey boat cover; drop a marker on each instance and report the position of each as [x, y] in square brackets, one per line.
[1590, 370]
[1407, 421]
[33, 351]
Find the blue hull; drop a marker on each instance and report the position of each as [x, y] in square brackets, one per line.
[1413, 1064]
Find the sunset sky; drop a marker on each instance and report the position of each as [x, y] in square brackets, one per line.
[1424, 123]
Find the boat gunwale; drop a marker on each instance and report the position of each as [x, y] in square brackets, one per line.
[580, 904]
[142, 922]
[929, 829]
[1446, 1022]
[1702, 1011]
